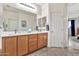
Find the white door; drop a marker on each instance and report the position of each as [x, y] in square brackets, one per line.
[56, 30]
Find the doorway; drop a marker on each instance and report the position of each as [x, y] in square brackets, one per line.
[71, 27]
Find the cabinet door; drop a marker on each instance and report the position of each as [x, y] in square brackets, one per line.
[40, 41]
[32, 43]
[3, 45]
[10, 45]
[45, 39]
[22, 45]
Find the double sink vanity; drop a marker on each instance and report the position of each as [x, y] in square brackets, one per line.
[23, 43]
[22, 32]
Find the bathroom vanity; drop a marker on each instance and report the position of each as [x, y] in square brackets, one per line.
[23, 44]
[21, 35]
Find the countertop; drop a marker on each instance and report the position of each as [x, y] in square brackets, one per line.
[22, 33]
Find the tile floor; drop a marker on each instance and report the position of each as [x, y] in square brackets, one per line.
[55, 52]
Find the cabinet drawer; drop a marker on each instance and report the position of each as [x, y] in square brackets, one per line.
[40, 35]
[32, 36]
[32, 43]
[34, 39]
[40, 41]
[45, 39]
[32, 48]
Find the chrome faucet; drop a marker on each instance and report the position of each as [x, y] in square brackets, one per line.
[15, 31]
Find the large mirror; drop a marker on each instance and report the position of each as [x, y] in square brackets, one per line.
[42, 22]
[15, 19]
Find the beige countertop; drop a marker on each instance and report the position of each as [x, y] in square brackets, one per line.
[22, 33]
[8, 34]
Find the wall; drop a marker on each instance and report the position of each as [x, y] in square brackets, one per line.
[73, 10]
[73, 13]
[76, 24]
[44, 9]
[41, 14]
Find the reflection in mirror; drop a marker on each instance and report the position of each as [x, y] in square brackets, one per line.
[42, 23]
[11, 24]
[10, 16]
[16, 19]
[23, 23]
[39, 22]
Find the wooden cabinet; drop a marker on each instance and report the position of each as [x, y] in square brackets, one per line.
[10, 46]
[40, 41]
[32, 43]
[45, 39]
[22, 45]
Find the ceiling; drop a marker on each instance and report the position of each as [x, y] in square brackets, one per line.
[39, 4]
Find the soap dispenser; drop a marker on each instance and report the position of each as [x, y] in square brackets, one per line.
[47, 27]
[36, 28]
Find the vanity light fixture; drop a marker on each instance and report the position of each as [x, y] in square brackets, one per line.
[28, 5]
